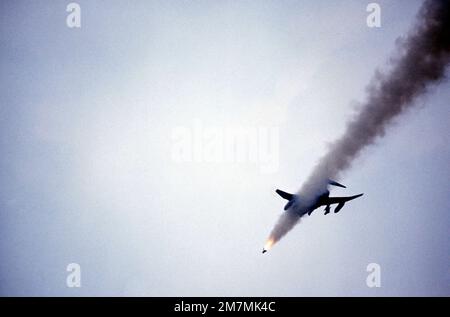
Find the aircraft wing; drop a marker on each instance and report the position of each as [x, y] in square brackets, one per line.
[338, 200]
[284, 194]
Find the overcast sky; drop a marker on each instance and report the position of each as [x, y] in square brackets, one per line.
[88, 174]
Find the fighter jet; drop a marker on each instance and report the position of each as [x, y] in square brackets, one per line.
[301, 207]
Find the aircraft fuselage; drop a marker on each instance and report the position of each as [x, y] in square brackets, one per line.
[302, 206]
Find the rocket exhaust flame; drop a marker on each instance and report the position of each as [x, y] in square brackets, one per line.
[268, 245]
[285, 223]
[420, 61]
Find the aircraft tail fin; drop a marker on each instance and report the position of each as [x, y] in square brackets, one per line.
[285, 195]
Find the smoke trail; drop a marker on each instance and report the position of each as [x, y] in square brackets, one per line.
[285, 223]
[420, 61]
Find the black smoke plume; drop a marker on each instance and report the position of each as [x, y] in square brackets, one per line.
[419, 62]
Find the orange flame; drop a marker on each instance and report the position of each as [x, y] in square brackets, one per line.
[269, 243]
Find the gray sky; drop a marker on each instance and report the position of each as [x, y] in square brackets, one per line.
[88, 175]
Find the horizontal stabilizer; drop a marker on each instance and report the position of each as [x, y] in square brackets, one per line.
[284, 194]
[334, 183]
